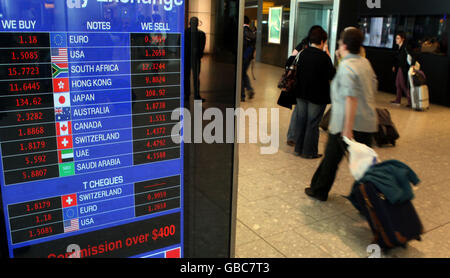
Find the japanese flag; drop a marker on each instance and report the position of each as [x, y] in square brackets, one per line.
[61, 99]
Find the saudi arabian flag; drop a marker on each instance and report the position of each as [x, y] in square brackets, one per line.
[67, 169]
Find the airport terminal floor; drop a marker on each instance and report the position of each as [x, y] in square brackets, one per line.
[275, 219]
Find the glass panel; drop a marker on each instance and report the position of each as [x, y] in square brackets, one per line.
[209, 166]
[308, 15]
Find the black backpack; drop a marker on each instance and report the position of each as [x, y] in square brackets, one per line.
[387, 133]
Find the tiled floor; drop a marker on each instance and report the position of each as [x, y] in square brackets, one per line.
[276, 219]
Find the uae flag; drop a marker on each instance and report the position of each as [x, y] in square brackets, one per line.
[65, 156]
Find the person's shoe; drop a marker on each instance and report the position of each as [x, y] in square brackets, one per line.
[291, 143]
[311, 156]
[395, 102]
[251, 94]
[408, 106]
[310, 193]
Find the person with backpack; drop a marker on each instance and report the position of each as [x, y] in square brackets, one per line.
[353, 114]
[248, 55]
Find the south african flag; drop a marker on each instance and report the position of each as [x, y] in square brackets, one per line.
[60, 70]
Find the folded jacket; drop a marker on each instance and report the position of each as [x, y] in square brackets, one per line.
[392, 178]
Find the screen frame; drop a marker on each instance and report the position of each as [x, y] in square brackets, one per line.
[275, 39]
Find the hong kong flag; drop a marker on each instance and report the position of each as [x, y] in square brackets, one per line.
[64, 142]
[60, 85]
[69, 200]
[63, 128]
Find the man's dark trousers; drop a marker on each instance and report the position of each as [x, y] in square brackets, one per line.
[245, 79]
[325, 175]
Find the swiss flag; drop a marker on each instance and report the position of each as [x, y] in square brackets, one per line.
[63, 128]
[69, 200]
[64, 142]
[61, 85]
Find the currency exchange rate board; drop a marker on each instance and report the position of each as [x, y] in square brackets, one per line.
[89, 167]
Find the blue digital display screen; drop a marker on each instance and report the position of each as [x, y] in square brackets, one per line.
[87, 90]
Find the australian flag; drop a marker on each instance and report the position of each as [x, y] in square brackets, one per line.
[62, 113]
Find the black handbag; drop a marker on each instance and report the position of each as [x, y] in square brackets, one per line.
[287, 99]
[288, 80]
[287, 85]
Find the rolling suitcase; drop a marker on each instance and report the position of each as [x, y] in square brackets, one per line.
[420, 98]
[387, 132]
[392, 225]
[419, 89]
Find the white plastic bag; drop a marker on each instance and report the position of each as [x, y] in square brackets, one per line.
[361, 158]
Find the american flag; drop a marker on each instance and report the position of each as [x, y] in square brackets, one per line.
[71, 225]
[59, 55]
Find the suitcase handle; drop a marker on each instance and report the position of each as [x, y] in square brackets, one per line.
[375, 220]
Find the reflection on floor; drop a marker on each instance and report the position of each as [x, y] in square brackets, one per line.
[276, 219]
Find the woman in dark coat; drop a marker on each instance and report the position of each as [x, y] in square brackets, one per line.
[401, 68]
[292, 135]
[314, 74]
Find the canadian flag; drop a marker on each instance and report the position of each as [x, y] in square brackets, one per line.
[63, 128]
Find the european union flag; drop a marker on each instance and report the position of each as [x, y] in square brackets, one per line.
[70, 213]
[58, 39]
